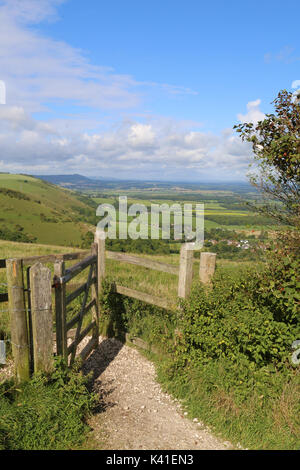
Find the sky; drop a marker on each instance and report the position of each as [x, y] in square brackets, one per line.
[140, 90]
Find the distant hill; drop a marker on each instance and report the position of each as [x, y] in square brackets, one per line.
[79, 182]
[36, 210]
[68, 180]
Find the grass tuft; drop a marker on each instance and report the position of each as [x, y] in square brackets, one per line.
[47, 413]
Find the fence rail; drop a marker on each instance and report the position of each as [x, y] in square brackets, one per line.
[77, 269]
[150, 299]
[145, 262]
[54, 257]
[184, 272]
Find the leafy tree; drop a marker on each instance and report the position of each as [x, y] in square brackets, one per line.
[276, 146]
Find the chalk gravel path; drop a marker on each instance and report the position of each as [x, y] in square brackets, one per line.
[137, 413]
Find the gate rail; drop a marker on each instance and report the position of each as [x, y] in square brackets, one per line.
[61, 277]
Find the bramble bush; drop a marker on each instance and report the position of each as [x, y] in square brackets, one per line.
[279, 289]
[255, 316]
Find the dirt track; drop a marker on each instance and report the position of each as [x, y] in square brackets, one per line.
[137, 414]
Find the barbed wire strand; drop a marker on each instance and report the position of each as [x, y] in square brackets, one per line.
[26, 346]
[12, 287]
[26, 310]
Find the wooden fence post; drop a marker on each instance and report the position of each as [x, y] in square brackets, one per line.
[207, 267]
[30, 339]
[41, 314]
[60, 311]
[95, 296]
[100, 240]
[185, 270]
[18, 319]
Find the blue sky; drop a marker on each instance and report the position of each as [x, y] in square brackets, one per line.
[140, 89]
[229, 52]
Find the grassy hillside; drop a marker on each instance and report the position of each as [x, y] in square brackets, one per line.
[37, 211]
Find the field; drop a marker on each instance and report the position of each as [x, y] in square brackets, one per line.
[149, 281]
[222, 209]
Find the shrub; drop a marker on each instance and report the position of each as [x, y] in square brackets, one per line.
[16, 235]
[139, 246]
[14, 194]
[254, 316]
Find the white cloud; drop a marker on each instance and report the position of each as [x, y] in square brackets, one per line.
[39, 70]
[296, 84]
[131, 149]
[254, 114]
[141, 135]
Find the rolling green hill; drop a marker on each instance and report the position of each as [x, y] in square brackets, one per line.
[37, 211]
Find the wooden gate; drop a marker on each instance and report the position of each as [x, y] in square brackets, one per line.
[32, 317]
[65, 325]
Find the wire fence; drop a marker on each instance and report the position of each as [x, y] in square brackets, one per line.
[3, 298]
[4, 295]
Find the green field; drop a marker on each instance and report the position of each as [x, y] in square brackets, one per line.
[222, 209]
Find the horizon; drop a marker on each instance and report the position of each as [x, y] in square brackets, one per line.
[151, 180]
